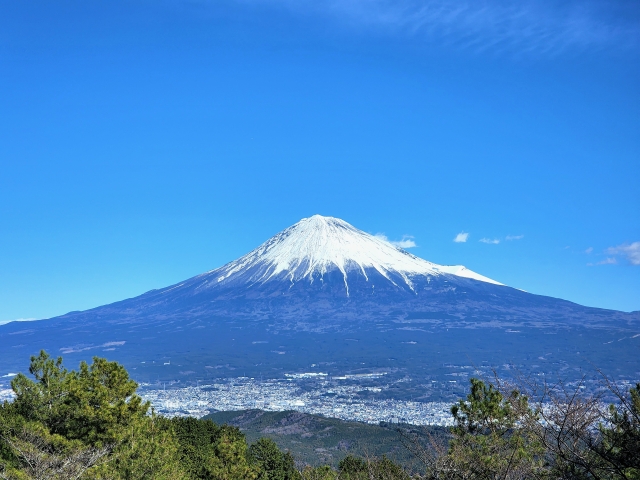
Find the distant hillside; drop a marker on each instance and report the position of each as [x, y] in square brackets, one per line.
[317, 440]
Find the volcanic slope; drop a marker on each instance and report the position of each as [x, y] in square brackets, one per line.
[319, 288]
[324, 273]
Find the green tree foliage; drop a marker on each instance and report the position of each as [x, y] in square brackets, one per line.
[147, 449]
[620, 445]
[93, 405]
[488, 439]
[274, 464]
[564, 436]
[319, 473]
[352, 468]
[10, 423]
[40, 400]
[230, 460]
[196, 439]
[210, 451]
[385, 469]
[90, 424]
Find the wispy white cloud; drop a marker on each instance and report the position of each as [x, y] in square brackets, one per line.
[589, 250]
[461, 237]
[407, 241]
[83, 348]
[630, 251]
[530, 26]
[2, 322]
[606, 261]
[492, 241]
[510, 238]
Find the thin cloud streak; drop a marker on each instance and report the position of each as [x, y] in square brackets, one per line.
[606, 261]
[83, 348]
[537, 27]
[4, 322]
[492, 241]
[510, 238]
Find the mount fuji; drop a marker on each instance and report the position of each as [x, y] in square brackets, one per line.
[318, 246]
[322, 292]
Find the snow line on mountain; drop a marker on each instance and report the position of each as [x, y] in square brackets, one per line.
[317, 245]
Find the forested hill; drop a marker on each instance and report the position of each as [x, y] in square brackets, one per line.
[317, 440]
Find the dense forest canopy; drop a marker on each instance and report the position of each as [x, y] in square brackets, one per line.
[90, 424]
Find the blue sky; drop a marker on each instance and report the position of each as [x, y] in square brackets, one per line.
[144, 142]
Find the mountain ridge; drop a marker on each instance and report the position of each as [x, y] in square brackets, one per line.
[284, 307]
[325, 266]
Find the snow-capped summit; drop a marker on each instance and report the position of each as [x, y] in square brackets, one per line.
[318, 245]
[273, 309]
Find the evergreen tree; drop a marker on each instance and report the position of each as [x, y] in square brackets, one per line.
[620, 445]
[93, 405]
[274, 464]
[490, 440]
[147, 449]
[352, 468]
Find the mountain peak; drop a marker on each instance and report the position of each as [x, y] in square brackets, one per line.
[318, 245]
[321, 218]
[321, 222]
